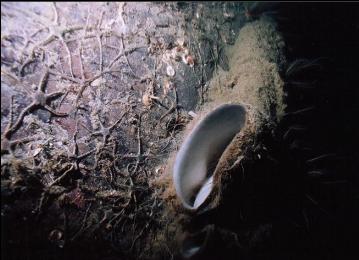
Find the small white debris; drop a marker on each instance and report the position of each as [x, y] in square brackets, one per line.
[159, 170]
[180, 41]
[98, 82]
[170, 71]
[192, 114]
[36, 151]
[167, 86]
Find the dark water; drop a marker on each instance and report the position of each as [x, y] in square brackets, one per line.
[330, 32]
[319, 183]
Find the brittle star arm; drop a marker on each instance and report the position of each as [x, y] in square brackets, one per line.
[52, 111]
[7, 145]
[11, 113]
[106, 131]
[20, 119]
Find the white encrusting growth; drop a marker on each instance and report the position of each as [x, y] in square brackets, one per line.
[201, 150]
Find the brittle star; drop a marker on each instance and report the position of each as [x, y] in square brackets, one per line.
[39, 100]
[7, 145]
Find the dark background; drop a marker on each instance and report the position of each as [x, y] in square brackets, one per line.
[328, 200]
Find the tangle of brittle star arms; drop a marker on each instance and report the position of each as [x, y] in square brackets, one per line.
[74, 159]
[56, 31]
[105, 132]
[74, 163]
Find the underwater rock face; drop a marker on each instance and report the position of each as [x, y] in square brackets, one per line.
[94, 97]
[94, 101]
